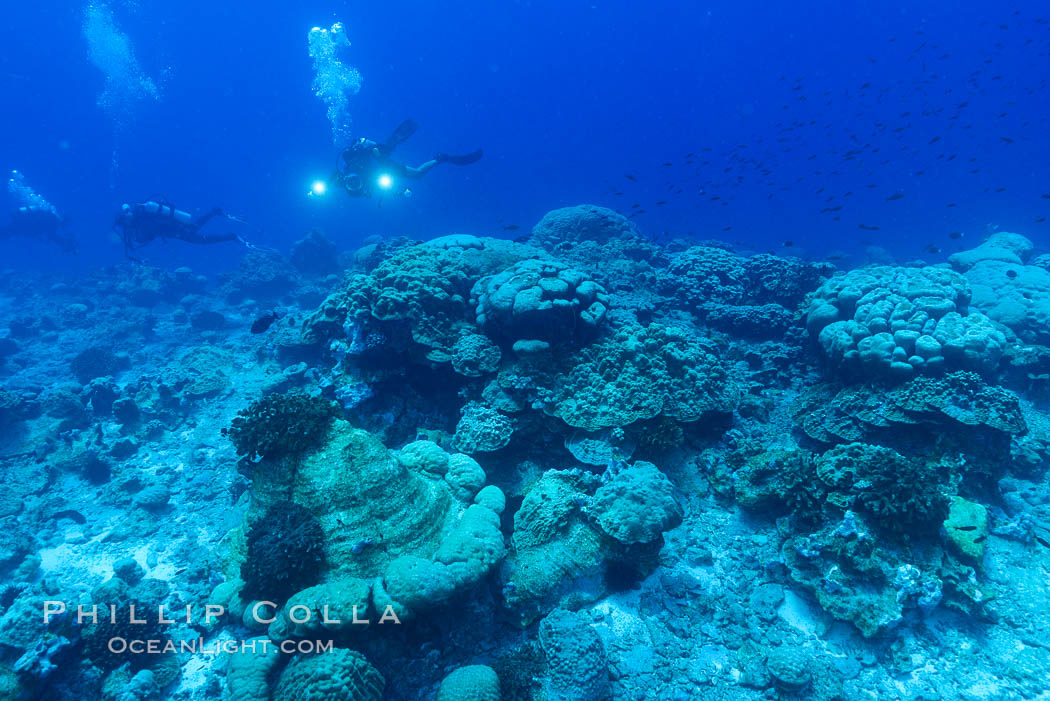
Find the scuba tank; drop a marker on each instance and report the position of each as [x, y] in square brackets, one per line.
[166, 210]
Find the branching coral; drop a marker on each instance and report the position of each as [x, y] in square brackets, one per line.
[285, 553]
[281, 425]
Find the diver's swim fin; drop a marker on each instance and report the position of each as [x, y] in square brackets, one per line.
[404, 130]
[464, 160]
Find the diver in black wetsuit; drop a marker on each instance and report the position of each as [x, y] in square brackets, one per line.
[368, 167]
[39, 222]
[139, 224]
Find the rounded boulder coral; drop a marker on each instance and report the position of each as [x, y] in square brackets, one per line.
[637, 505]
[898, 322]
[585, 222]
[339, 675]
[542, 300]
[472, 683]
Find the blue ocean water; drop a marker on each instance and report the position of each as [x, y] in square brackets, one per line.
[724, 373]
[799, 106]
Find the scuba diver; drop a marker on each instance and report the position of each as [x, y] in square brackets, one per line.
[139, 224]
[41, 222]
[367, 166]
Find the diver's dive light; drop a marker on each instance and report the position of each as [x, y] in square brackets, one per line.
[318, 188]
[385, 181]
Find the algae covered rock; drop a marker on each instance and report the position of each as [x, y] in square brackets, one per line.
[847, 575]
[966, 528]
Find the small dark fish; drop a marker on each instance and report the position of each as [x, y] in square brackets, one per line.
[1046, 195]
[833, 256]
[727, 228]
[1006, 139]
[71, 514]
[930, 248]
[667, 165]
[630, 177]
[636, 205]
[867, 227]
[1011, 274]
[661, 202]
[956, 235]
[618, 194]
[264, 322]
[951, 204]
[895, 196]
[690, 154]
[788, 244]
[934, 140]
[1039, 220]
[1000, 189]
[511, 227]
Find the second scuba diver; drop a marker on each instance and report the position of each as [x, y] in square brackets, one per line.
[139, 224]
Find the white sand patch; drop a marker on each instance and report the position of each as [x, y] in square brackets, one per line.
[801, 614]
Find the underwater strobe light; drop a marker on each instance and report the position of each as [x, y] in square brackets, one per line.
[385, 181]
[317, 189]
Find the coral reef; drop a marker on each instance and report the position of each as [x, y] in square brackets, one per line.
[600, 465]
